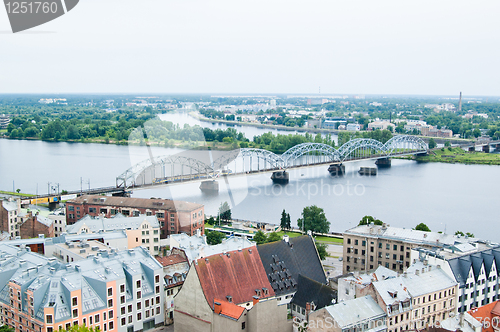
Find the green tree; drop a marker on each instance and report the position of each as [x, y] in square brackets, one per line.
[447, 143]
[288, 222]
[432, 143]
[210, 221]
[273, 237]
[313, 219]
[82, 328]
[321, 250]
[225, 211]
[260, 237]
[422, 227]
[459, 233]
[469, 234]
[366, 220]
[214, 237]
[283, 220]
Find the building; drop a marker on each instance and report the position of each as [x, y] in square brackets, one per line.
[35, 226]
[361, 315]
[381, 125]
[11, 217]
[174, 216]
[116, 291]
[353, 127]
[76, 251]
[309, 297]
[474, 268]
[354, 284]
[4, 121]
[229, 292]
[175, 268]
[368, 246]
[59, 218]
[141, 230]
[285, 260]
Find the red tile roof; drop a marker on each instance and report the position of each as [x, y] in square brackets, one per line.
[237, 274]
[485, 315]
[171, 260]
[229, 309]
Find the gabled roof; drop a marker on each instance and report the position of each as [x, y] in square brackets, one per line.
[313, 292]
[171, 259]
[284, 261]
[352, 312]
[460, 266]
[486, 312]
[236, 274]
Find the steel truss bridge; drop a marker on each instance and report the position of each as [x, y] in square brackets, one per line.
[176, 168]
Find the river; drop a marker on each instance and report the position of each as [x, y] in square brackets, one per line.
[444, 196]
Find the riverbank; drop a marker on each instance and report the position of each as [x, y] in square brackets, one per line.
[458, 156]
[10, 193]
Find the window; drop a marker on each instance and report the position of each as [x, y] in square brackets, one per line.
[139, 316]
[157, 278]
[104, 315]
[90, 320]
[110, 303]
[102, 210]
[402, 248]
[110, 314]
[130, 319]
[75, 313]
[139, 294]
[139, 305]
[96, 318]
[157, 300]
[157, 290]
[111, 325]
[125, 212]
[363, 243]
[75, 301]
[356, 242]
[157, 310]
[387, 246]
[71, 208]
[110, 291]
[348, 241]
[122, 288]
[122, 299]
[138, 283]
[92, 210]
[355, 251]
[122, 311]
[123, 321]
[48, 319]
[380, 245]
[129, 308]
[160, 215]
[146, 303]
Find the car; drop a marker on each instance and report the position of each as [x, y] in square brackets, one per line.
[341, 259]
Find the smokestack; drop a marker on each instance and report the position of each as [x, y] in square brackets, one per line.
[460, 102]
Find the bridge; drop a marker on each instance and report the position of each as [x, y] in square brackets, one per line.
[180, 168]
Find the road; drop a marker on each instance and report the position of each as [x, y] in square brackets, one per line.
[332, 265]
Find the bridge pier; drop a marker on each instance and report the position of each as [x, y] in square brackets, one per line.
[383, 162]
[53, 205]
[336, 169]
[280, 177]
[209, 186]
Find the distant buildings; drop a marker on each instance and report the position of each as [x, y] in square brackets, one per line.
[4, 121]
[174, 216]
[381, 125]
[353, 127]
[117, 291]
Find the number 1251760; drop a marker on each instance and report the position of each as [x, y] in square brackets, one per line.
[31, 7]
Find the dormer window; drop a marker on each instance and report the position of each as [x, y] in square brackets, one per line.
[266, 291]
[229, 299]
[257, 292]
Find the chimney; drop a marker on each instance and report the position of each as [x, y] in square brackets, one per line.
[217, 307]
[286, 238]
[255, 299]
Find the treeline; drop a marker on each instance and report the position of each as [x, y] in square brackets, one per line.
[380, 135]
[280, 143]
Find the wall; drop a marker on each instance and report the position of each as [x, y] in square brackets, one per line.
[267, 315]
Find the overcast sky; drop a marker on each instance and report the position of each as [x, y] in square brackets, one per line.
[258, 46]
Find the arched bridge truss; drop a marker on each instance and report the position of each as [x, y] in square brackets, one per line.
[177, 168]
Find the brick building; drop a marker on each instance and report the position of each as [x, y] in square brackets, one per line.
[174, 216]
[36, 225]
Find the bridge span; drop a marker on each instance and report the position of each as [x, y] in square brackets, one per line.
[199, 165]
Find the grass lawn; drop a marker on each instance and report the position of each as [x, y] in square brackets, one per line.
[15, 194]
[329, 240]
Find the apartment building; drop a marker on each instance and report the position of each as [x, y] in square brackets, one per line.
[174, 216]
[368, 246]
[474, 268]
[141, 230]
[115, 291]
[11, 217]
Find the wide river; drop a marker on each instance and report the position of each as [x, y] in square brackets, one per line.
[446, 197]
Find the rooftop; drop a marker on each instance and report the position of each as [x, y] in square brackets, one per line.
[118, 222]
[314, 292]
[352, 312]
[157, 204]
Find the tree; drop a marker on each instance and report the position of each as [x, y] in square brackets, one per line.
[273, 237]
[225, 211]
[210, 221]
[432, 143]
[366, 220]
[283, 220]
[313, 219]
[260, 237]
[469, 234]
[82, 328]
[322, 250]
[288, 222]
[459, 233]
[5, 328]
[422, 227]
[447, 143]
[214, 237]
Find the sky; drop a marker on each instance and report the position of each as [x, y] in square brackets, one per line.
[259, 46]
